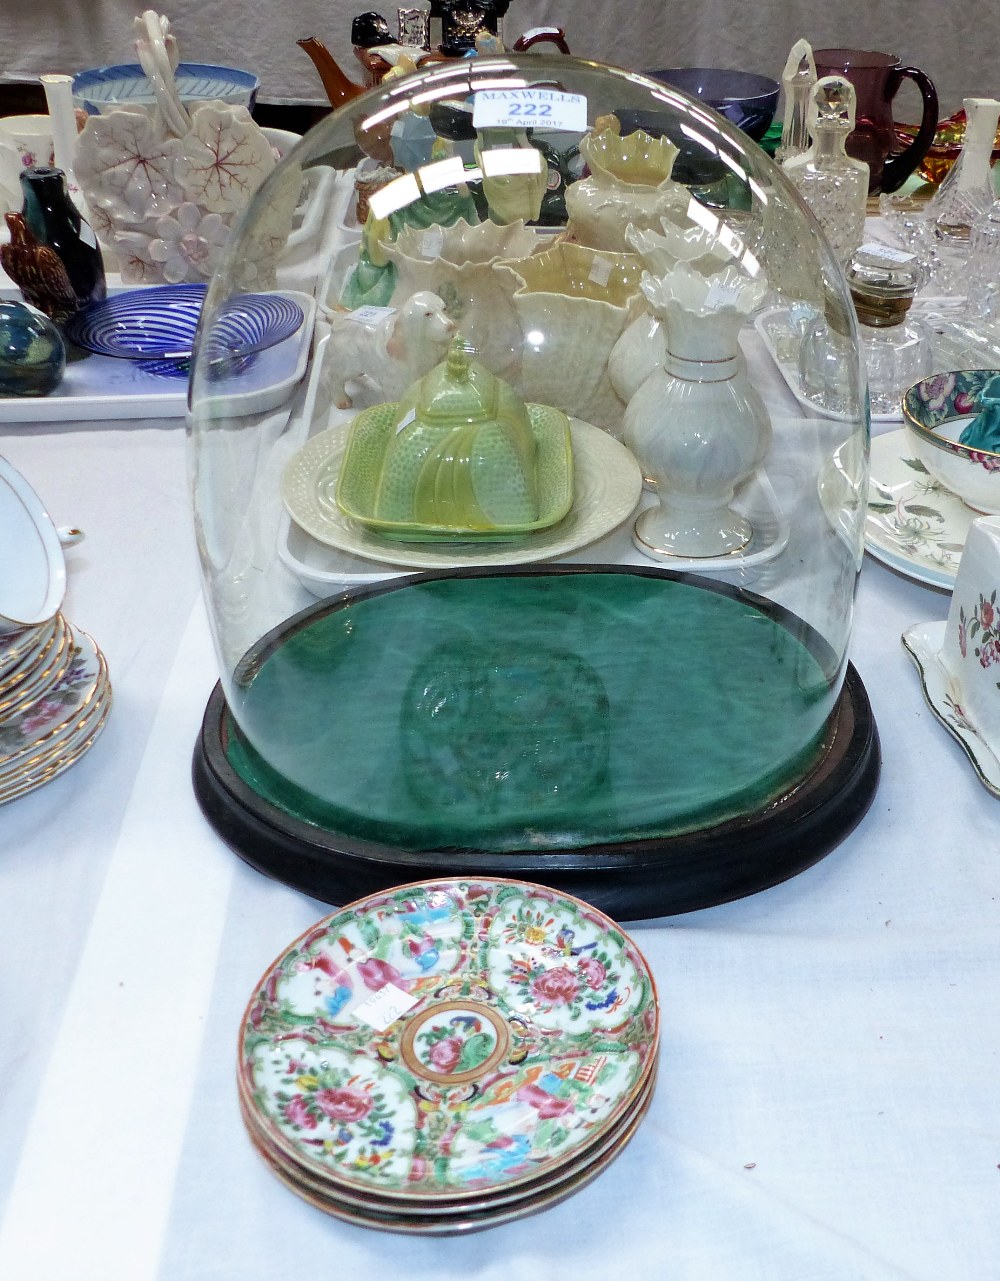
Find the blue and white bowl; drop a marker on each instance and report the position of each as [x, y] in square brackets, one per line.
[101, 88]
[160, 323]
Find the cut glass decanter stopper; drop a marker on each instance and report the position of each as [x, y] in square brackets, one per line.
[797, 81]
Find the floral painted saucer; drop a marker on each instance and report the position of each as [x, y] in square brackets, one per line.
[445, 1042]
[924, 642]
[423, 1220]
[914, 524]
[51, 734]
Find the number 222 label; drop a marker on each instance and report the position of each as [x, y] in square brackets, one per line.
[524, 108]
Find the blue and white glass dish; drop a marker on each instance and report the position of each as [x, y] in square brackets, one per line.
[159, 324]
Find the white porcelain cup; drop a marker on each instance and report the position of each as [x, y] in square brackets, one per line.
[31, 137]
[971, 650]
[24, 141]
[32, 565]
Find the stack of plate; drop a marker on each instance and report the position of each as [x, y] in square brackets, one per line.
[449, 1055]
[54, 699]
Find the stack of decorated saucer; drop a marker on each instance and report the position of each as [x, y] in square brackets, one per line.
[450, 1055]
[54, 700]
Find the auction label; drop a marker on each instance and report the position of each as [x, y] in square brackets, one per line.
[529, 108]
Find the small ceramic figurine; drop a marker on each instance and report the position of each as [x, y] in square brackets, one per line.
[514, 174]
[832, 183]
[393, 351]
[38, 271]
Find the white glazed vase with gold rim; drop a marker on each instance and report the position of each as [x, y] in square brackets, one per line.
[697, 426]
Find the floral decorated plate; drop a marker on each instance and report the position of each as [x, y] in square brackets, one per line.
[42, 674]
[51, 635]
[441, 1041]
[52, 728]
[913, 524]
[36, 775]
[435, 1220]
[924, 642]
[19, 649]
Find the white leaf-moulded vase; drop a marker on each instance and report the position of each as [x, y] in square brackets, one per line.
[573, 303]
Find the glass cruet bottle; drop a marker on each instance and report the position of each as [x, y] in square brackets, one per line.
[898, 349]
[967, 188]
[797, 81]
[833, 184]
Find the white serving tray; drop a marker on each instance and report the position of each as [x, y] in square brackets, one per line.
[103, 387]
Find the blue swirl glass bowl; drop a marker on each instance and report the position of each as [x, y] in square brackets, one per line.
[99, 88]
[746, 99]
[159, 324]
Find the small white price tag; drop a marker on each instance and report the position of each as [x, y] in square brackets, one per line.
[405, 421]
[886, 252]
[384, 1007]
[432, 242]
[369, 315]
[723, 294]
[529, 109]
[600, 271]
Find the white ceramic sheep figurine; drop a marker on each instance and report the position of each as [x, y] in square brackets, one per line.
[393, 352]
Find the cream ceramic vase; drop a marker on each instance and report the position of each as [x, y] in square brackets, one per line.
[629, 182]
[697, 426]
[572, 304]
[458, 264]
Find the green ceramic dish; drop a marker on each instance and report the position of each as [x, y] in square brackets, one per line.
[361, 477]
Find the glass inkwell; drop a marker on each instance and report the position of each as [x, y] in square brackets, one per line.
[446, 644]
[898, 349]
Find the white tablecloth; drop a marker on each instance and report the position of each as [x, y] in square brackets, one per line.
[827, 1106]
[955, 44]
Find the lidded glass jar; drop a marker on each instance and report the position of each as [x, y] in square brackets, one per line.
[548, 702]
[898, 349]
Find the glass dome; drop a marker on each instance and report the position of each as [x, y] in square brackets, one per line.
[529, 552]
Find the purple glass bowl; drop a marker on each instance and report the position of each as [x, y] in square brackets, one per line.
[747, 100]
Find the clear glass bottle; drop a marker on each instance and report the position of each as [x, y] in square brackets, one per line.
[832, 183]
[967, 189]
[898, 349]
[797, 80]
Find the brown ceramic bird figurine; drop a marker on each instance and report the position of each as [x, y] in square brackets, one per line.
[37, 271]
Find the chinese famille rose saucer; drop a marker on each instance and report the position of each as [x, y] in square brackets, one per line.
[438, 1055]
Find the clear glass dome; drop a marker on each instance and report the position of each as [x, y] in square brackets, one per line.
[528, 545]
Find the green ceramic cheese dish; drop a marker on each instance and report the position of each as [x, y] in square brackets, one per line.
[458, 456]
